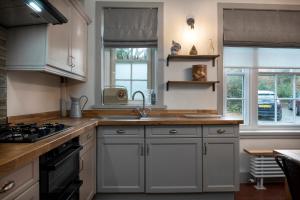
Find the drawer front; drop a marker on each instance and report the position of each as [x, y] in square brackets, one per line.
[220, 131]
[173, 131]
[19, 181]
[120, 131]
[87, 137]
[32, 193]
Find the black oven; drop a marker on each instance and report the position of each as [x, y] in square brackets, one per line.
[59, 172]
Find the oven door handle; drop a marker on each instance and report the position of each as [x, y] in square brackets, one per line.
[55, 165]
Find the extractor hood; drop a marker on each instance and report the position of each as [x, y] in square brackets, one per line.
[29, 12]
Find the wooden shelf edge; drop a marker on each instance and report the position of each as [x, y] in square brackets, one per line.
[212, 83]
[192, 57]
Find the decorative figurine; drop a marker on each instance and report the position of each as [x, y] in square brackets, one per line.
[193, 51]
[175, 48]
[211, 49]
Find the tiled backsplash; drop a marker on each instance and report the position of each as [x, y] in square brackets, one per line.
[3, 88]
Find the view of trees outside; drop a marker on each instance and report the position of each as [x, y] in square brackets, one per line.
[131, 53]
[284, 85]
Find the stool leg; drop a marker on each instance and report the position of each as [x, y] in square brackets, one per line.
[260, 184]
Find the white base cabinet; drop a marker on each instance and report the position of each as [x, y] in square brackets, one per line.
[174, 165]
[120, 165]
[169, 159]
[87, 165]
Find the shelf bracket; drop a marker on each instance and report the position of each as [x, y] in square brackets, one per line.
[213, 87]
[214, 62]
[168, 86]
[168, 59]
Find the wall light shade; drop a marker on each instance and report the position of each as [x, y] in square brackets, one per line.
[190, 21]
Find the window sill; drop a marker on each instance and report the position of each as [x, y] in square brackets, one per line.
[270, 133]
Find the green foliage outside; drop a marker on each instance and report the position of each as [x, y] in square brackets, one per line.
[267, 83]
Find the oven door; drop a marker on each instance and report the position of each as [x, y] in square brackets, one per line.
[61, 174]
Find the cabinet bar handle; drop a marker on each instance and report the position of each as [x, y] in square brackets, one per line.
[220, 131]
[204, 149]
[142, 150]
[147, 149]
[173, 131]
[8, 186]
[120, 131]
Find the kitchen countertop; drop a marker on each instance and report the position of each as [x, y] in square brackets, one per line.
[16, 155]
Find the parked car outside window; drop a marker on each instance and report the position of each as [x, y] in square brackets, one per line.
[266, 105]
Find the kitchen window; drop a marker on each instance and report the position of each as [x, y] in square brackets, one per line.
[130, 50]
[131, 68]
[263, 85]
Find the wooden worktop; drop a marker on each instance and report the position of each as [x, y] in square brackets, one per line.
[171, 120]
[16, 155]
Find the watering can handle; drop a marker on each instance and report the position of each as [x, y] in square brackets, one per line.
[86, 100]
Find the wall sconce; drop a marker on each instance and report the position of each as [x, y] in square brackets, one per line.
[190, 21]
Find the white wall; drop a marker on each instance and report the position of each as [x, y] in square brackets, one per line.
[32, 92]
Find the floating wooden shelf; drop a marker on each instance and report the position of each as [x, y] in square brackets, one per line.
[212, 83]
[192, 58]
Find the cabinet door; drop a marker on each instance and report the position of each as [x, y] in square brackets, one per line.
[31, 194]
[88, 172]
[220, 164]
[174, 165]
[120, 164]
[59, 39]
[79, 43]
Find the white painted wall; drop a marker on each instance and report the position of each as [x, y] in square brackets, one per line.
[32, 92]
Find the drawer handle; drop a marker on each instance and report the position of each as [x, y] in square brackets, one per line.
[220, 131]
[120, 131]
[173, 131]
[8, 186]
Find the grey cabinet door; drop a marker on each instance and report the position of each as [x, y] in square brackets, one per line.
[173, 165]
[220, 164]
[120, 165]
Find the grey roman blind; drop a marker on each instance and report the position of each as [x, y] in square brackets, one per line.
[271, 28]
[130, 27]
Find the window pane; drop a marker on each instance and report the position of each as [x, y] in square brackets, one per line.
[285, 86]
[234, 107]
[125, 84]
[123, 71]
[285, 112]
[234, 86]
[266, 106]
[139, 85]
[123, 53]
[297, 86]
[139, 54]
[266, 83]
[139, 71]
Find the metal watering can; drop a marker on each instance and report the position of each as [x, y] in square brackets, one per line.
[76, 108]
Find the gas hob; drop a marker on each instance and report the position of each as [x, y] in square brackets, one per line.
[27, 133]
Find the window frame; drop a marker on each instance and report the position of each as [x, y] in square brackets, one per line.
[158, 59]
[250, 131]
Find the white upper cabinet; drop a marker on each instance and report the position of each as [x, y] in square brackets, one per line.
[57, 49]
[79, 44]
[59, 43]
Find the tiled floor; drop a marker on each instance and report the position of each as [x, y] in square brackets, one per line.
[274, 191]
